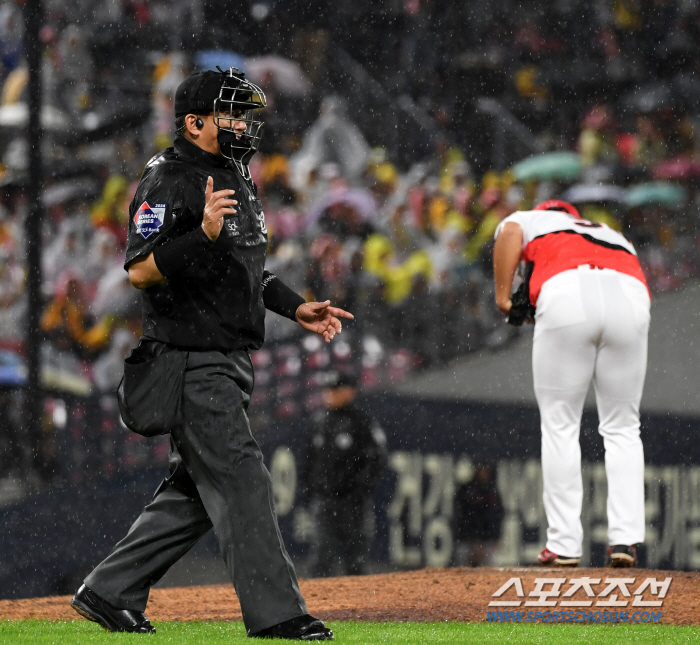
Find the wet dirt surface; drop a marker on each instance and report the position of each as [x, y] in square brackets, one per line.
[460, 594]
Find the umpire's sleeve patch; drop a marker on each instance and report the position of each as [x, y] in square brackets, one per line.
[149, 219]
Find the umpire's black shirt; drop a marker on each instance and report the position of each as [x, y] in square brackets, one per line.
[217, 303]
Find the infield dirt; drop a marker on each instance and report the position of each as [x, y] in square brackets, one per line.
[460, 594]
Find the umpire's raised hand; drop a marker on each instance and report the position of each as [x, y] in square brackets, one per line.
[216, 206]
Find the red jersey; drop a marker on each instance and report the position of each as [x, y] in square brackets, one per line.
[557, 242]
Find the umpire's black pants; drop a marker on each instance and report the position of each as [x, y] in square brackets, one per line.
[217, 478]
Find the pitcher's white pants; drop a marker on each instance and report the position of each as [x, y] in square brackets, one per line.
[591, 324]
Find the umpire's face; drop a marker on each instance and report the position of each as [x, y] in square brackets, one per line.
[232, 120]
[206, 137]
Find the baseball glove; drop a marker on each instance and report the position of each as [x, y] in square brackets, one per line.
[522, 310]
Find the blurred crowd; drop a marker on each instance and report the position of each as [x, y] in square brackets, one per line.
[390, 219]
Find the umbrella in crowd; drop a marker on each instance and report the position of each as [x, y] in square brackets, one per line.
[65, 191]
[594, 193]
[566, 166]
[682, 167]
[281, 73]
[224, 58]
[659, 193]
[13, 370]
[360, 202]
[649, 98]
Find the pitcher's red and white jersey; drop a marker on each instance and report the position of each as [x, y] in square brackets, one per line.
[557, 241]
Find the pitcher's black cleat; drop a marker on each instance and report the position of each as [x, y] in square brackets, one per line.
[621, 556]
[301, 628]
[89, 605]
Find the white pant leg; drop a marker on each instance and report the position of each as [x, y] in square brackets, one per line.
[619, 379]
[563, 361]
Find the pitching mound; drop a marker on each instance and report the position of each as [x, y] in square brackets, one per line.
[434, 595]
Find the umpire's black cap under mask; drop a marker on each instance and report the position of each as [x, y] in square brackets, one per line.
[197, 93]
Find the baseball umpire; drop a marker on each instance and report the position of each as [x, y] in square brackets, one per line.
[591, 324]
[196, 248]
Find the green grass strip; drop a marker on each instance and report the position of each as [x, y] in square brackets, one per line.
[81, 632]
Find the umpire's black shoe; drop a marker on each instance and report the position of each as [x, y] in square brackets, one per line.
[301, 628]
[89, 605]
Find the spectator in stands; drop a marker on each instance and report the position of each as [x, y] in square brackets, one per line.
[334, 137]
[66, 321]
[381, 259]
[596, 142]
[111, 211]
[651, 146]
[65, 253]
[498, 199]
[104, 254]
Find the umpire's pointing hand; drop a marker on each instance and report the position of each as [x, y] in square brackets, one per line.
[321, 318]
[216, 205]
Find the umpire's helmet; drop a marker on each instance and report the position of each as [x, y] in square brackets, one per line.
[231, 98]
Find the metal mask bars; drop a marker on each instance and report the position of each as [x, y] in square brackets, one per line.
[238, 101]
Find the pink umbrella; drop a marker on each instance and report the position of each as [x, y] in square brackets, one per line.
[682, 167]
